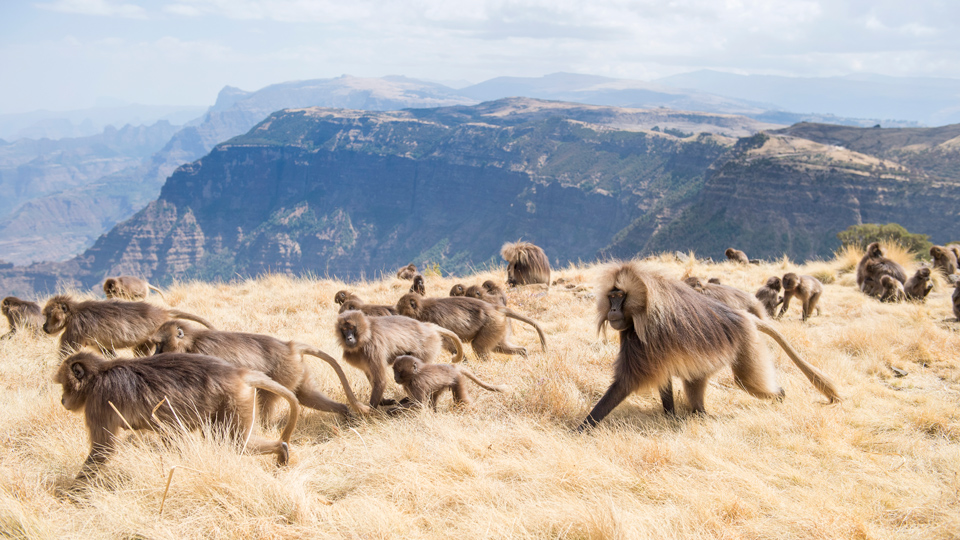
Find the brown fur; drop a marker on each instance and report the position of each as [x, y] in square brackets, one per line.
[128, 288]
[354, 303]
[282, 361]
[458, 290]
[728, 295]
[714, 281]
[418, 286]
[956, 300]
[736, 256]
[407, 272]
[23, 316]
[872, 267]
[370, 342]
[166, 390]
[107, 325]
[667, 329]
[769, 295]
[343, 296]
[489, 292]
[945, 259]
[474, 321]
[423, 382]
[526, 263]
[918, 286]
[807, 288]
[892, 290]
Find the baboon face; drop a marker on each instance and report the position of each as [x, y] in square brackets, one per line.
[74, 375]
[55, 313]
[474, 292]
[110, 287]
[874, 250]
[458, 290]
[405, 368]
[169, 338]
[5, 306]
[924, 273]
[774, 283]
[351, 326]
[511, 274]
[490, 286]
[418, 285]
[341, 297]
[615, 315]
[409, 305]
[790, 282]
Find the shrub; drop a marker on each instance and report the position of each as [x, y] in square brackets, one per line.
[861, 236]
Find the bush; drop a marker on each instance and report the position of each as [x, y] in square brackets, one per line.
[861, 236]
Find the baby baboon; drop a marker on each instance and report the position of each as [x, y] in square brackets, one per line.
[343, 296]
[872, 266]
[489, 292]
[427, 381]
[128, 288]
[167, 389]
[107, 324]
[769, 295]
[22, 316]
[892, 290]
[807, 288]
[458, 290]
[407, 272]
[945, 259]
[526, 263]
[667, 329]
[370, 342]
[282, 361]
[956, 300]
[918, 286]
[354, 303]
[474, 321]
[730, 296]
[737, 256]
[418, 285]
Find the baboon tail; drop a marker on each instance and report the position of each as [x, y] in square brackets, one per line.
[258, 379]
[491, 387]
[455, 339]
[306, 349]
[177, 314]
[156, 290]
[817, 377]
[514, 315]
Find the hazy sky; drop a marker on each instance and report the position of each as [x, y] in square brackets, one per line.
[68, 54]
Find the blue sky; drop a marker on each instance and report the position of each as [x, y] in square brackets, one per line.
[70, 54]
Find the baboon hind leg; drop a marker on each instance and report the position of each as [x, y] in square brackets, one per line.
[695, 391]
[310, 396]
[810, 306]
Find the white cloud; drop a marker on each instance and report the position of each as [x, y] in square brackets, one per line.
[95, 7]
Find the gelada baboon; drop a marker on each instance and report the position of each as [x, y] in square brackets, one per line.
[282, 361]
[107, 324]
[872, 266]
[23, 316]
[489, 292]
[166, 390]
[667, 329]
[807, 288]
[714, 280]
[892, 290]
[351, 302]
[407, 272]
[945, 259]
[427, 381]
[736, 256]
[418, 286]
[956, 300]
[918, 286]
[128, 288]
[474, 321]
[370, 342]
[458, 290]
[728, 295]
[769, 295]
[526, 263]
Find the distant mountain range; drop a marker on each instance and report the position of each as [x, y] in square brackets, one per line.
[64, 218]
[348, 193]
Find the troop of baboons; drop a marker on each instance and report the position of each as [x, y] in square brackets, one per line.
[184, 375]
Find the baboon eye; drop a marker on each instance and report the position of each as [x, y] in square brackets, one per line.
[413, 304]
[180, 333]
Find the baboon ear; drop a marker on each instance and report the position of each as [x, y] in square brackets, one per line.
[179, 333]
[78, 370]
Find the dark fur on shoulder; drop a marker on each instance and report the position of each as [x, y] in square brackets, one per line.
[167, 389]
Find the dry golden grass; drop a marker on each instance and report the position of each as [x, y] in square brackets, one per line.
[885, 463]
